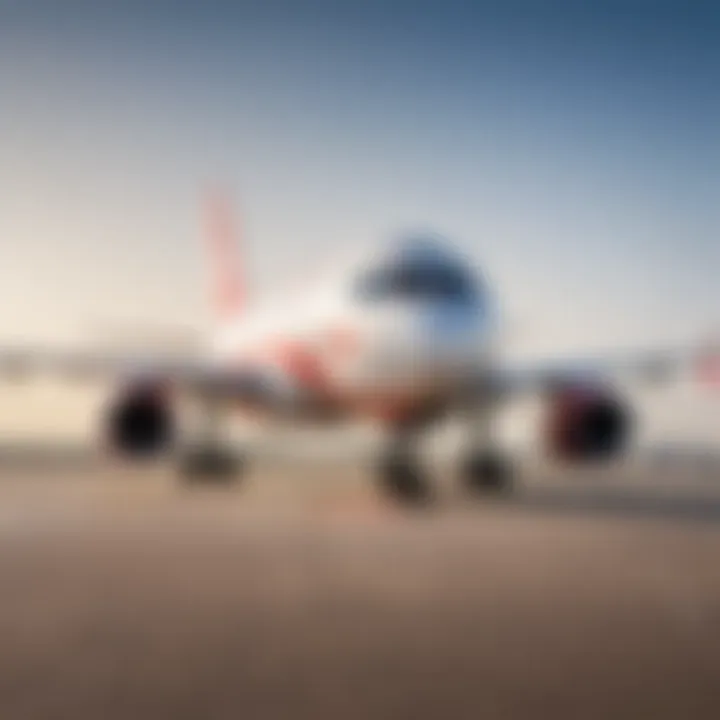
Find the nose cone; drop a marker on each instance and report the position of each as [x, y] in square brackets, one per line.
[411, 348]
[452, 338]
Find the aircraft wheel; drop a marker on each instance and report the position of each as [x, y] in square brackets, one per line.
[210, 465]
[402, 480]
[487, 473]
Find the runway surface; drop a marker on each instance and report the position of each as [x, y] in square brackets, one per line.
[303, 595]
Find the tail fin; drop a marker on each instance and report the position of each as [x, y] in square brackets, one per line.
[227, 279]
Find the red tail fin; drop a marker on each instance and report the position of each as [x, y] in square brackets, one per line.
[228, 287]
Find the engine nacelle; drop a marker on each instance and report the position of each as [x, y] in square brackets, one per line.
[140, 422]
[586, 425]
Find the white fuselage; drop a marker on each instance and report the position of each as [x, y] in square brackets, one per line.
[368, 357]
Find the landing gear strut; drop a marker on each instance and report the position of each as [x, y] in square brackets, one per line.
[399, 473]
[487, 472]
[209, 461]
[402, 479]
[210, 464]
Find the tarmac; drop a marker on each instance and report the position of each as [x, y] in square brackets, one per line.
[300, 593]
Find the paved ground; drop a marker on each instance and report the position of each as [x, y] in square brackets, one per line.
[303, 596]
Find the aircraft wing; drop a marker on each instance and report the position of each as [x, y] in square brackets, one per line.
[652, 367]
[117, 336]
[192, 374]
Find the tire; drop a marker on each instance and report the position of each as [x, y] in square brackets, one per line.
[487, 473]
[404, 482]
[199, 466]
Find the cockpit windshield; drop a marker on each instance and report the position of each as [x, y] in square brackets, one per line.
[419, 276]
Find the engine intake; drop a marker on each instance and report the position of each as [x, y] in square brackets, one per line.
[140, 422]
[587, 425]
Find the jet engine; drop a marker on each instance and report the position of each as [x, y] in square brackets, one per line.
[140, 421]
[586, 424]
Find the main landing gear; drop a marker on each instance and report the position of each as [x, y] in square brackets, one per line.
[399, 474]
[483, 470]
[487, 473]
[482, 473]
[401, 478]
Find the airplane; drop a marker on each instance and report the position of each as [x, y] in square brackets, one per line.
[406, 336]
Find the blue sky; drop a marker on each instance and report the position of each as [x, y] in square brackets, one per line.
[571, 147]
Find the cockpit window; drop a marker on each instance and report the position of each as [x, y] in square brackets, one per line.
[419, 279]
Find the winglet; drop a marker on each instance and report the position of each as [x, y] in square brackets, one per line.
[227, 280]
